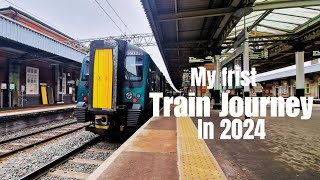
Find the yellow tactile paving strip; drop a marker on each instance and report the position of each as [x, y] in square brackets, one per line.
[195, 159]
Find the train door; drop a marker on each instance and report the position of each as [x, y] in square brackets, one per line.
[102, 79]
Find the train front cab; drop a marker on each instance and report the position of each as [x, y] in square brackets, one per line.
[101, 109]
[120, 80]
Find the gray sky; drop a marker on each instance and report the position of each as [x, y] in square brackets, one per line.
[83, 19]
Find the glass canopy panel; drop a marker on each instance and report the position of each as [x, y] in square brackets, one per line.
[255, 14]
[279, 21]
[250, 18]
[248, 23]
[285, 18]
[299, 12]
[278, 25]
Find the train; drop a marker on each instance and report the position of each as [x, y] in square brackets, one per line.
[119, 80]
[83, 85]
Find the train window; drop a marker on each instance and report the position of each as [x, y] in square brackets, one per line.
[85, 71]
[133, 68]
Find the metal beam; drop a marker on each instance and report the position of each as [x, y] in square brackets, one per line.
[225, 19]
[189, 42]
[265, 14]
[205, 19]
[177, 30]
[259, 6]
[206, 42]
[183, 49]
[196, 14]
[281, 4]
[141, 40]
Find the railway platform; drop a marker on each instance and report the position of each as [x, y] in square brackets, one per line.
[12, 120]
[35, 110]
[163, 148]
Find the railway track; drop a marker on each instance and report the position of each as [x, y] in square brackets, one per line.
[23, 142]
[76, 164]
[11, 123]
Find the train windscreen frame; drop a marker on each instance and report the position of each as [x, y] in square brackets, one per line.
[133, 68]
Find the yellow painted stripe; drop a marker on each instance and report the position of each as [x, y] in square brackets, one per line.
[102, 79]
[102, 127]
[195, 159]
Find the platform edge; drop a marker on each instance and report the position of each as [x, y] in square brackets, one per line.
[98, 172]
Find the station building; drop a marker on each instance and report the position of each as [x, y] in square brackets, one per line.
[38, 64]
[282, 82]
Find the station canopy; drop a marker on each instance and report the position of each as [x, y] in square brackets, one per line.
[279, 28]
[277, 22]
[193, 28]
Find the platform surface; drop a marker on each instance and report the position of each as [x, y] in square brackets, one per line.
[164, 148]
[29, 110]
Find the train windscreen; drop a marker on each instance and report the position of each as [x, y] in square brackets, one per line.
[85, 71]
[133, 68]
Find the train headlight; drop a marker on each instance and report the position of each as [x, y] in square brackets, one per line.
[138, 95]
[129, 95]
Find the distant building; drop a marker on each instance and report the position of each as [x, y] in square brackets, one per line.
[283, 82]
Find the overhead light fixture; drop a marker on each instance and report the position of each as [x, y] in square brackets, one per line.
[243, 12]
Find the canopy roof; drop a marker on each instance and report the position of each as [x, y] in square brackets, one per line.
[193, 28]
[278, 21]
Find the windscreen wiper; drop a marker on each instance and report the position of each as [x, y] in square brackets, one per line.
[129, 78]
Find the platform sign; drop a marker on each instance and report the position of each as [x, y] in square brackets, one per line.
[236, 64]
[12, 86]
[316, 54]
[3, 86]
[23, 88]
[242, 36]
[260, 55]
[196, 60]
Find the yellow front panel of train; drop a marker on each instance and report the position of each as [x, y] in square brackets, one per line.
[102, 79]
